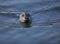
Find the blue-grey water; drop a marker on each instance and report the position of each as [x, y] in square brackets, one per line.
[45, 26]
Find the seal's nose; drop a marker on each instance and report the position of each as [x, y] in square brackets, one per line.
[26, 18]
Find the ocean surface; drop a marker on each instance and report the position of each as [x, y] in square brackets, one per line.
[45, 26]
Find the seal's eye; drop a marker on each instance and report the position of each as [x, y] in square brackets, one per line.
[23, 15]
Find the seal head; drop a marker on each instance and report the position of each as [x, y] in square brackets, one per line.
[25, 17]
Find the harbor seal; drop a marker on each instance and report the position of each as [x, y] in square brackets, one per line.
[25, 17]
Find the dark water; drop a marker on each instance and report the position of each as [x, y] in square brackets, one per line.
[45, 27]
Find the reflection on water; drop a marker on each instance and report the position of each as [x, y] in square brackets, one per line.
[26, 25]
